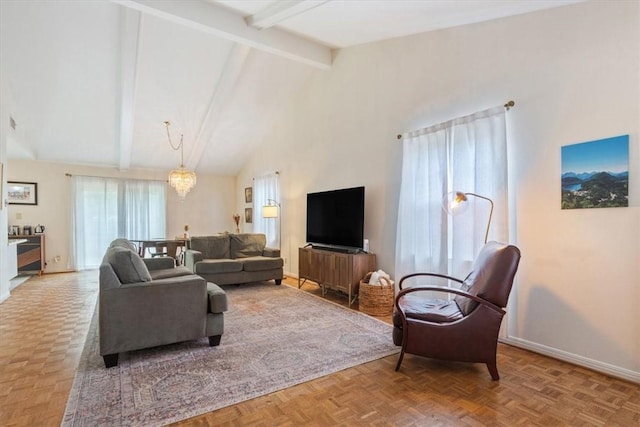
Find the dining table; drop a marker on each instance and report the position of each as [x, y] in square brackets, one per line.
[162, 247]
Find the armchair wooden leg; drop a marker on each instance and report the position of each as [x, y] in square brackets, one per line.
[400, 359]
[110, 360]
[493, 370]
[278, 281]
[214, 340]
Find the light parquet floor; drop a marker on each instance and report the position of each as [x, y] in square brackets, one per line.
[44, 324]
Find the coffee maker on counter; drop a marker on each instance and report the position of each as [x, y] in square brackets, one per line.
[25, 230]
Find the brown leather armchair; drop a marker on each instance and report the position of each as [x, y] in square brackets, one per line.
[465, 328]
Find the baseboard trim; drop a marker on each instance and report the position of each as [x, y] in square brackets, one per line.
[605, 368]
[4, 297]
[290, 275]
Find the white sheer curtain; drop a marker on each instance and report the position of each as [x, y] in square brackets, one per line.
[108, 208]
[467, 154]
[266, 188]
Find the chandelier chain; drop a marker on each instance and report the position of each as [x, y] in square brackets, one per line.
[179, 146]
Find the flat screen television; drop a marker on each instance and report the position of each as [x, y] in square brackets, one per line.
[335, 219]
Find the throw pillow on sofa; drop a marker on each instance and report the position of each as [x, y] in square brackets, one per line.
[212, 247]
[127, 265]
[247, 245]
[123, 243]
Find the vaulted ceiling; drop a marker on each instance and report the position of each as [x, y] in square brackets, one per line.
[91, 82]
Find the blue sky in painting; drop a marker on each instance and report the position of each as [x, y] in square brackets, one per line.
[603, 155]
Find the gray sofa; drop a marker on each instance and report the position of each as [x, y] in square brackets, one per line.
[227, 259]
[149, 302]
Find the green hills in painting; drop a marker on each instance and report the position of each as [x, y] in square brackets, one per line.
[595, 190]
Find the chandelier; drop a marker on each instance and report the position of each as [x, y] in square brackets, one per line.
[182, 180]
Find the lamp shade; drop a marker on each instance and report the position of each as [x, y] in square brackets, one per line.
[270, 211]
[454, 203]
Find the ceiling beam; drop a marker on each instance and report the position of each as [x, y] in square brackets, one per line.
[280, 10]
[221, 95]
[221, 22]
[129, 40]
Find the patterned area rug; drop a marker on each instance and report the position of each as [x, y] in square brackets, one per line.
[275, 337]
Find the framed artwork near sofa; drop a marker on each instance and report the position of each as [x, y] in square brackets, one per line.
[248, 215]
[248, 195]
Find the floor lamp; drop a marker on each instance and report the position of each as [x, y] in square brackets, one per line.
[273, 211]
[455, 203]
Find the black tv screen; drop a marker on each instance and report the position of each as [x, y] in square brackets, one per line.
[336, 218]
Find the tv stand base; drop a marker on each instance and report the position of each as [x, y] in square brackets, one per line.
[334, 270]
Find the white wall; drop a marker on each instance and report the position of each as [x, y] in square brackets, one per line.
[574, 73]
[5, 108]
[207, 209]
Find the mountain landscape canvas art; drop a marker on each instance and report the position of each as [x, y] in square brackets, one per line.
[595, 174]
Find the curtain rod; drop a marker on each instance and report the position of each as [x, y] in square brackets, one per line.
[113, 177]
[507, 106]
[276, 172]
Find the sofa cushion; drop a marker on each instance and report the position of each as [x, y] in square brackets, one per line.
[169, 272]
[127, 265]
[213, 247]
[260, 263]
[247, 245]
[430, 310]
[215, 266]
[217, 299]
[159, 263]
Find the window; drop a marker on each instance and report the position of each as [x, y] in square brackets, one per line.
[266, 191]
[108, 208]
[467, 154]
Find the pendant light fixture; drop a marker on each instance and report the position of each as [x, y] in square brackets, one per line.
[182, 180]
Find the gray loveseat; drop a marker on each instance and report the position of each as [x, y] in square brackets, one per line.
[227, 259]
[150, 302]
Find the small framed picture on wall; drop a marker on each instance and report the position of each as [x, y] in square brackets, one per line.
[248, 215]
[248, 195]
[22, 193]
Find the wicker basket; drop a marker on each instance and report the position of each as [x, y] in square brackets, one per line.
[376, 300]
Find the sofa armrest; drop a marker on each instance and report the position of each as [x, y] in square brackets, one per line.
[191, 257]
[160, 263]
[271, 252]
[217, 299]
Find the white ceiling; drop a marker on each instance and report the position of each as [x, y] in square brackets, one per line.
[91, 82]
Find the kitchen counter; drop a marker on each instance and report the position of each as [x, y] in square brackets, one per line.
[16, 241]
[12, 256]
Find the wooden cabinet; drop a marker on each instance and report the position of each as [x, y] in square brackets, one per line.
[334, 270]
[31, 254]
